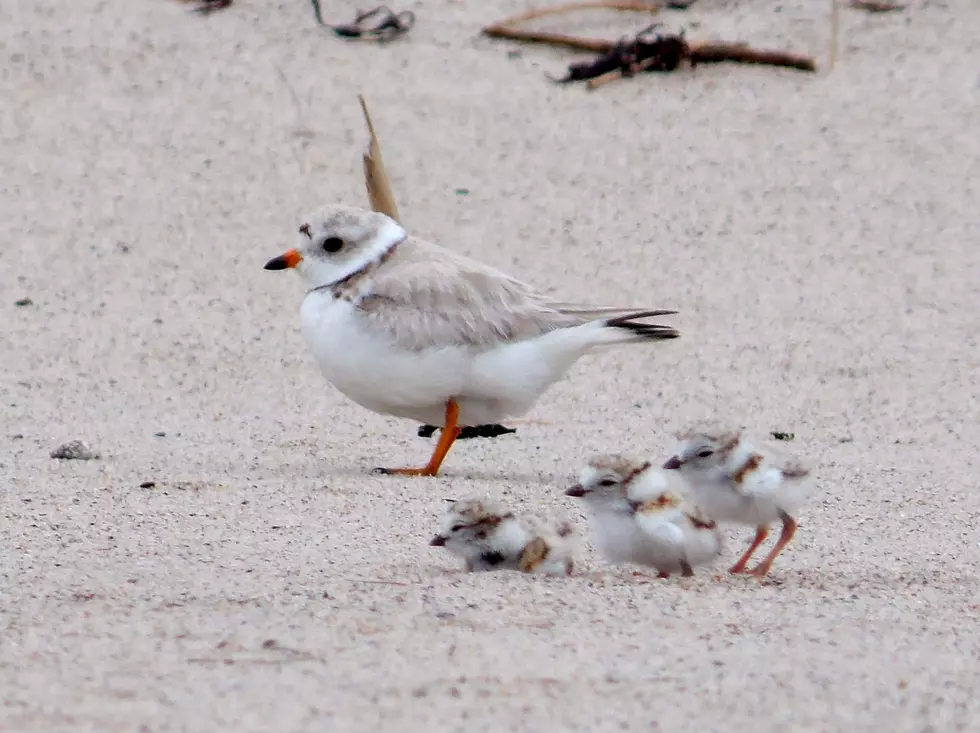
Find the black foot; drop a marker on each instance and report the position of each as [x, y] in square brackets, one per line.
[470, 431]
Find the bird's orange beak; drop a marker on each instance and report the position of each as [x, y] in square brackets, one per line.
[284, 261]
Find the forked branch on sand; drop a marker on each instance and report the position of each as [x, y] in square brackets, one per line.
[644, 52]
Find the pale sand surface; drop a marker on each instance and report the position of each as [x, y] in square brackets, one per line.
[820, 234]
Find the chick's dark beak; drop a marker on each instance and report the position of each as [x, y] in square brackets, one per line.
[284, 261]
[438, 541]
[673, 462]
[576, 490]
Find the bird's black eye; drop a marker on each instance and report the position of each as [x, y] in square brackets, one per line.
[332, 244]
[607, 482]
[705, 453]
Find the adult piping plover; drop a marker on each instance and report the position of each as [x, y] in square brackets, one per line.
[406, 328]
[488, 536]
[639, 517]
[737, 480]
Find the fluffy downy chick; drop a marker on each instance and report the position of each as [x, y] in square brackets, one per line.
[738, 480]
[489, 536]
[639, 517]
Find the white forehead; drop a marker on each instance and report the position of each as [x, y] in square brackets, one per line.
[591, 475]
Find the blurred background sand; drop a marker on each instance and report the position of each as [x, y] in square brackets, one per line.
[819, 234]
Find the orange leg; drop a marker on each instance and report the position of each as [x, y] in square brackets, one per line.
[760, 536]
[450, 432]
[789, 529]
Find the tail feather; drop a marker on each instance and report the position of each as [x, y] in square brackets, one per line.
[645, 331]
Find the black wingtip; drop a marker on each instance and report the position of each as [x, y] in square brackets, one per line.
[654, 331]
[648, 330]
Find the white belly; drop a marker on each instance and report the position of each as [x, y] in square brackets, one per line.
[617, 537]
[488, 386]
[723, 502]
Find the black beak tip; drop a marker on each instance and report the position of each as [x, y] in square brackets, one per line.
[576, 491]
[276, 263]
[672, 463]
[437, 541]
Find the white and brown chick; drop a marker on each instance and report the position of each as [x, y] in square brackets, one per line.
[638, 517]
[743, 481]
[489, 536]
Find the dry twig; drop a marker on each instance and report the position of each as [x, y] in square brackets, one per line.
[206, 7]
[505, 28]
[628, 5]
[666, 53]
[643, 52]
[710, 52]
[391, 26]
[834, 34]
[875, 6]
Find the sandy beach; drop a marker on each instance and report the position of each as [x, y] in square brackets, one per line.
[230, 563]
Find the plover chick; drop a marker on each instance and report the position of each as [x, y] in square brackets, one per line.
[738, 480]
[639, 515]
[489, 536]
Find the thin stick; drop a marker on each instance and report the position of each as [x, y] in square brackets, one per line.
[834, 33]
[595, 45]
[375, 177]
[376, 582]
[713, 52]
[875, 6]
[505, 28]
[629, 5]
[707, 52]
[318, 12]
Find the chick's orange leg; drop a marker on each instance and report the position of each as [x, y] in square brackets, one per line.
[789, 529]
[450, 432]
[760, 536]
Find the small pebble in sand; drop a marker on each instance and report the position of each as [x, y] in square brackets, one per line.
[23, 302]
[75, 450]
